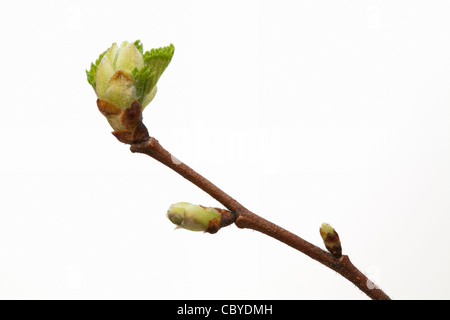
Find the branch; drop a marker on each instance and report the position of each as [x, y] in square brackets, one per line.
[244, 218]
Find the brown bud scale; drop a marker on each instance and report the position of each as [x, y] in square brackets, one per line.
[107, 108]
[226, 218]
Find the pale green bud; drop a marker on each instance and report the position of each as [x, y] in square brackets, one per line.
[331, 240]
[124, 79]
[194, 217]
[325, 229]
[115, 82]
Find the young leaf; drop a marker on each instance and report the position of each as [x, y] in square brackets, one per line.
[139, 46]
[158, 60]
[142, 79]
[91, 74]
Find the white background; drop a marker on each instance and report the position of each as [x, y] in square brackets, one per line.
[304, 111]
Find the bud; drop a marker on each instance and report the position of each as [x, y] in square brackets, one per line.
[198, 218]
[124, 79]
[331, 240]
[115, 83]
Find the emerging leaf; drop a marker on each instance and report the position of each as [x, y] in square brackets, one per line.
[92, 73]
[158, 60]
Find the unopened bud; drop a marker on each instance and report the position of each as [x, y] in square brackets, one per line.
[198, 218]
[331, 240]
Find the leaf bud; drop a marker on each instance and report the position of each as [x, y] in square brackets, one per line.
[331, 240]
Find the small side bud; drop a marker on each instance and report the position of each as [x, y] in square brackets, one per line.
[331, 240]
[194, 217]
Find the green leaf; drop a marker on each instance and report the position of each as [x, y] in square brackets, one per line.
[142, 79]
[158, 60]
[91, 74]
[139, 46]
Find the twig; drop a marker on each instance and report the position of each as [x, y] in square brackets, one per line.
[244, 218]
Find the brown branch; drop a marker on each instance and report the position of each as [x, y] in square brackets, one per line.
[343, 266]
[247, 219]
